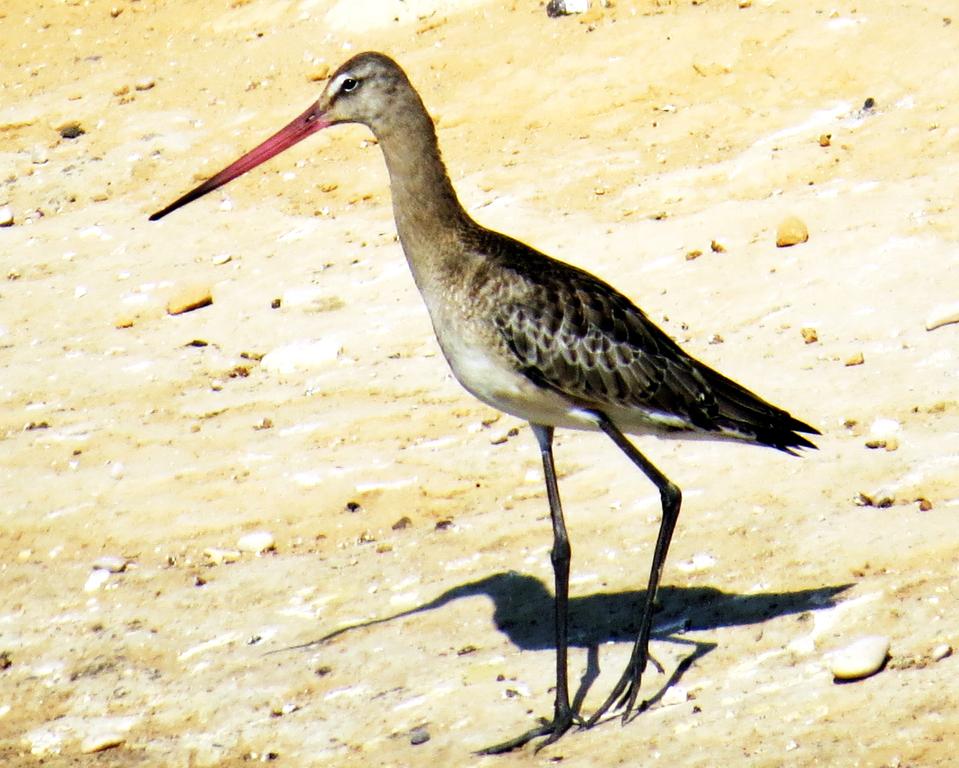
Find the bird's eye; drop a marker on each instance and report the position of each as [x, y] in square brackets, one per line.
[349, 84]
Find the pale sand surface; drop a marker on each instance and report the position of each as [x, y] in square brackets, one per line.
[621, 142]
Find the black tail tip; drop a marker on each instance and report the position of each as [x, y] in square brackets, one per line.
[790, 440]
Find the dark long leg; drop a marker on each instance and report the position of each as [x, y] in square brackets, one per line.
[560, 556]
[627, 689]
[563, 715]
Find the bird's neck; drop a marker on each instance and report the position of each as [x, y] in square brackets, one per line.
[429, 217]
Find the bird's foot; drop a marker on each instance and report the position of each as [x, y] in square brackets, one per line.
[553, 730]
[623, 696]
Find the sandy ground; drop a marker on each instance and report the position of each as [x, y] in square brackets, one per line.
[622, 141]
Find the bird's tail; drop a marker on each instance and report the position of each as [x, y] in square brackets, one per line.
[744, 412]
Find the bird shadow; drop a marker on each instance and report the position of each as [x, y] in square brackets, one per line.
[523, 611]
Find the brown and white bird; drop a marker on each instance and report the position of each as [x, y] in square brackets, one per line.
[534, 337]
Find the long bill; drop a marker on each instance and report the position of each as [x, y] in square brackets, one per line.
[305, 125]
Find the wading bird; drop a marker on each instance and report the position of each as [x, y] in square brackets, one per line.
[534, 337]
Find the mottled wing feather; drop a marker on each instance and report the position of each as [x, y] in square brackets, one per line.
[578, 336]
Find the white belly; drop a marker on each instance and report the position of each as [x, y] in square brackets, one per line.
[494, 381]
[491, 379]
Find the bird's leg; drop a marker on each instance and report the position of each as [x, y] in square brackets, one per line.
[627, 689]
[563, 716]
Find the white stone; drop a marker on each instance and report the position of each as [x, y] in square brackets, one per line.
[301, 356]
[884, 427]
[572, 6]
[941, 651]
[701, 561]
[110, 563]
[860, 659]
[943, 314]
[257, 542]
[43, 742]
[6, 216]
[97, 578]
[98, 742]
[675, 694]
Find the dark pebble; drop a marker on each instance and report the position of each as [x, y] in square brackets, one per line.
[71, 130]
[419, 736]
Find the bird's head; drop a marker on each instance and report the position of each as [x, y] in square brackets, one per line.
[366, 89]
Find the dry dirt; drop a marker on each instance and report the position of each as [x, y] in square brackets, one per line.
[623, 141]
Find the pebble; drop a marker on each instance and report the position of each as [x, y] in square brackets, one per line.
[100, 741]
[941, 651]
[941, 315]
[556, 8]
[111, 563]
[882, 434]
[301, 356]
[791, 231]
[884, 427]
[189, 297]
[879, 499]
[71, 130]
[809, 335]
[96, 579]
[856, 359]
[257, 542]
[222, 258]
[701, 561]
[320, 72]
[218, 556]
[145, 83]
[860, 659]
[40, 155]
[675, 694]
[419, 736]
[6, 216]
